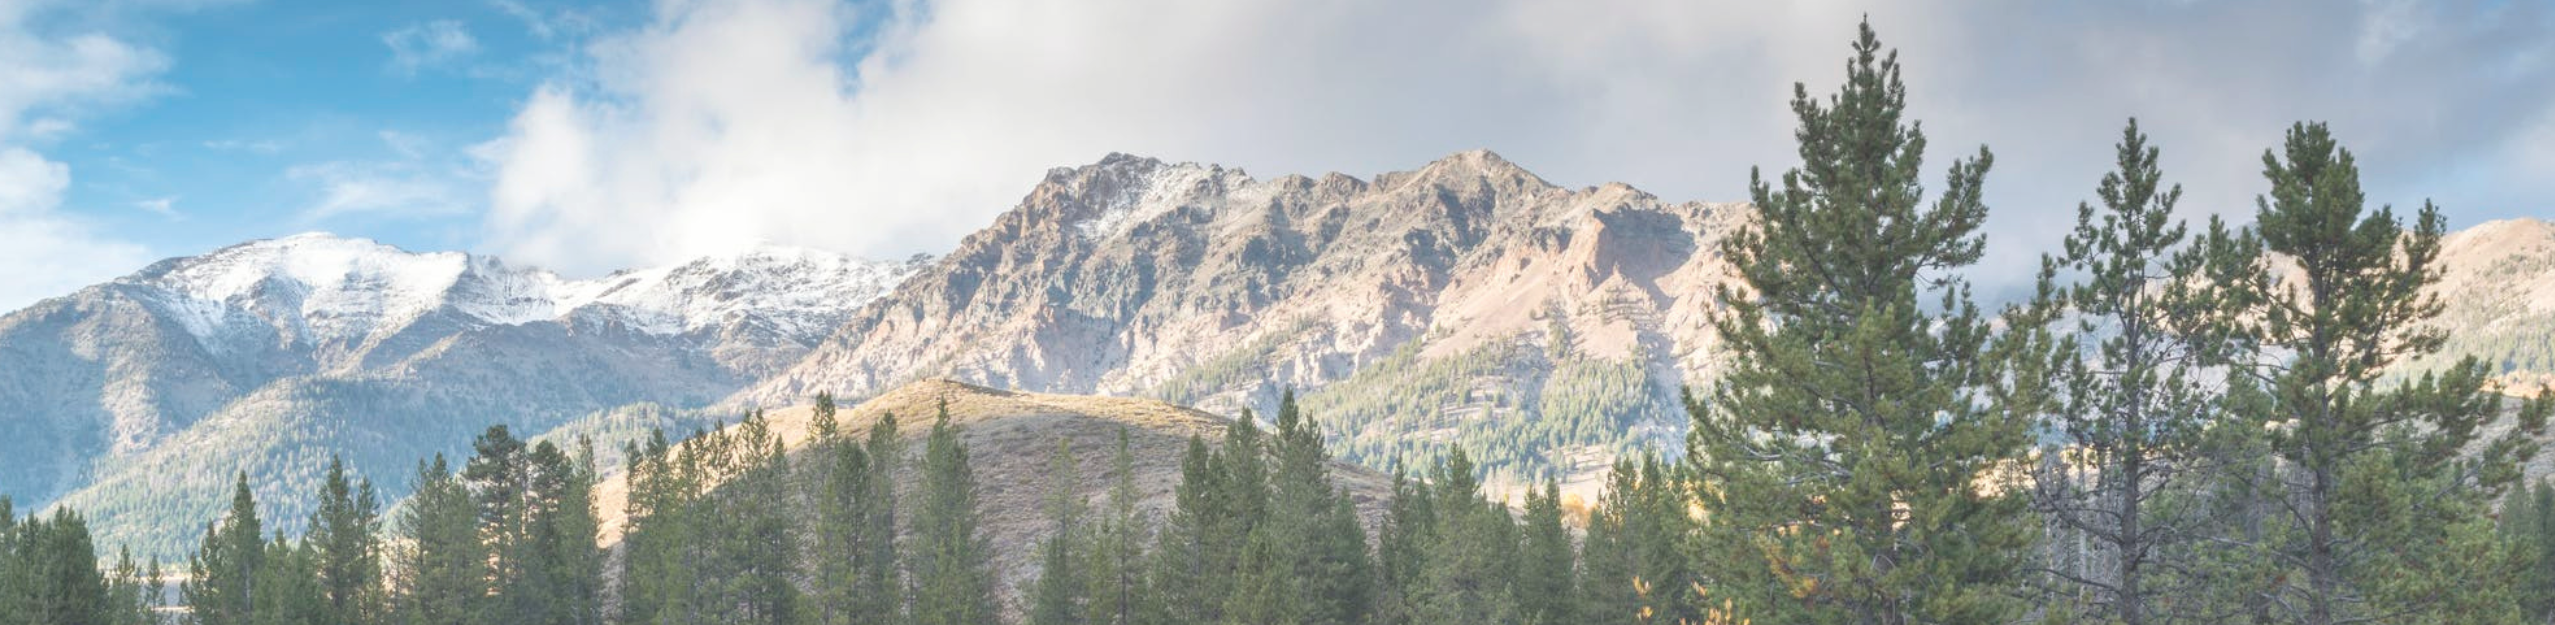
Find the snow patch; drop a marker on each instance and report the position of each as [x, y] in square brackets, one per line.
[334, 288]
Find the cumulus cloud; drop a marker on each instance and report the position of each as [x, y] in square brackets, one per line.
[428, 44]
[901, 127]
[46, 76]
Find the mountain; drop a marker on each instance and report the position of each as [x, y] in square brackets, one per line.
[1011, 438]
[1468, 302]
[134, 400]
[1547, 329]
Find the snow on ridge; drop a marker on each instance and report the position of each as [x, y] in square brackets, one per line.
[331, 287]
[1157, 188]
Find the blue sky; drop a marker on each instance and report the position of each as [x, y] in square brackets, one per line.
[283, 115]
[592, 136]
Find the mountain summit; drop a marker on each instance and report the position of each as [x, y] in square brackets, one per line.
[1467, 301]
[137, 395]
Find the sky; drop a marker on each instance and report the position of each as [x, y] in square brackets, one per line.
[589, 137]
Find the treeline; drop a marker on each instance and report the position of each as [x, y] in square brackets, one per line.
[2183, 425]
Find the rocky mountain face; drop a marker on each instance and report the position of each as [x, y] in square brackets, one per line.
[1466, 302]
[134, 400]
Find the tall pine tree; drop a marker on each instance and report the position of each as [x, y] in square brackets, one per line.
[221, 585]
[346, 532]
[443, 577]
[2137, 424]
[2379, 504]
[952, 563]
[1116, 567]
[1844, 447]
[1061, 594]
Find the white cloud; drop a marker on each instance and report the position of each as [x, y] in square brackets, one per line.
[428, 44]
[394, 189]
[262, 146]
[44, 253]
[545, 24]
[723, 122]
[165, 206]
[45, 78]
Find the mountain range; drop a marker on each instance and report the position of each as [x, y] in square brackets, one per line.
[1546, 329]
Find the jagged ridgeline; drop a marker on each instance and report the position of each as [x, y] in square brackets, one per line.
[1547, 329]
[135, 401]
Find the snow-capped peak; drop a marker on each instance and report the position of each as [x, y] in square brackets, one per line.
[326, 287]
[800, 292]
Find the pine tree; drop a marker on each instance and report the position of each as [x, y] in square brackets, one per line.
[287, 590]
[1843, 446]
[126, 605]
[11, 604]
[1322, 545]
[758, 550]
[1636, 568]
[1186, 585]
[1116, 567]
[345, 531]
[1547, 584]
[821, 424]
[2376, 497]
[562, 574]
[443, 576]
[842, 489]
[53, 576]
[2137, 428]
[952, 564]
[1468, 575]
[500, 476]
[2539, 585]
[1061, 594]
[1410, 527]
[654, 583]
[878, 590]
[221, 587]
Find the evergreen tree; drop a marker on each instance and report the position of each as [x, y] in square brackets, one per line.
[10, 567]
[952, 564]
[2377, 503]
[1116, 567]
[562, 567]
[1321, 547]
[1186, 585]
[2538, 587]
[1842, 448]
[443, 576]
[126, 605]
[758, 552]
[1061, 594]
[287, 590]
[1410, 527]
[500, 479]
[2136, 429]
[52, 574]
[821, 424]
[652, 575]
[221, 585]
[1547, 584]
[1636, 568]
[841, 494]
[1470, 570]
[345, 530]
[878, 589]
